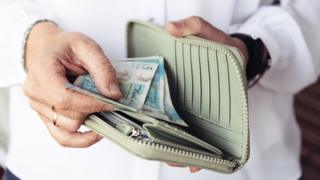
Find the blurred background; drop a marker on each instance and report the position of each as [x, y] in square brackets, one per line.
[4, 126]
[307, 106]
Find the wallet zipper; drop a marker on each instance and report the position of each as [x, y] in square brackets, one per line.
[236, 164]
[181, 152]
[169, 149]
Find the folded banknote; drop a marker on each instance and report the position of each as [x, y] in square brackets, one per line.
[144, 86]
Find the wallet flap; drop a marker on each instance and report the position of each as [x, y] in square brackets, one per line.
[207, 85]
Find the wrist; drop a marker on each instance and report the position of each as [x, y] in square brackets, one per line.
[41, 36]
[259, 59]
[242, 47]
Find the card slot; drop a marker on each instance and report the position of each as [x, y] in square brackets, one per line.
[235, 96]
[196, 79]
[180, 75]
[229, 93]
[224, 90]
[223, 138]
[205, 82]
[175, 78]
[188, 75]
[214, 77]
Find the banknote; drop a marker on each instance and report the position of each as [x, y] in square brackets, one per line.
[115, 104]
[144, 85]
[134, 77]
[154, 100]
[158, 103]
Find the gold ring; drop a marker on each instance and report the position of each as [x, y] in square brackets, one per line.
[55, 117]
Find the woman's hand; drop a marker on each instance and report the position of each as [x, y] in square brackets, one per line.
[197, 26]
[53, 55]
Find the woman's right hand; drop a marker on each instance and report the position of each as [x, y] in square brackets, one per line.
[52, 55]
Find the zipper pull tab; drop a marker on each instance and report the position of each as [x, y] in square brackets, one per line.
[134, 132]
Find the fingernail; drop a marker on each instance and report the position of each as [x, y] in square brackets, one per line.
[193, 169]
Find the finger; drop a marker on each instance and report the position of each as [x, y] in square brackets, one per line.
[53, 91]
[63, 120]
[99, 67]
[66, 99]
[175, 165]
[72, 139]
[194, 169]
[195, 25]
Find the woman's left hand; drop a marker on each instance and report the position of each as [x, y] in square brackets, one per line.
[197, 26]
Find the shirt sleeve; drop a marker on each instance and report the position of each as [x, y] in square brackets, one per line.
[15, 18]
[291, 33]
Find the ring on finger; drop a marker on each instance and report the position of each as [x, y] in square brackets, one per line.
[55, 117]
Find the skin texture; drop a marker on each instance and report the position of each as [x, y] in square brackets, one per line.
[53, 55]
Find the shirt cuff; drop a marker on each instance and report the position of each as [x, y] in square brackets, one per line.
[287, 48]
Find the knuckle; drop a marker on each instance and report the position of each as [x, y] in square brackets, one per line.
[76, 34]
[197, 22]
[108, 68]
[74, 127]
[90, 44]
[87, 143]
[77, 38]
[83, 42]
[64, 142]
[27, 90]
[77, 116]
[90, 140]
[62, 99]
[196, 19]
[61, 102]
[96, 108]
[30, 87]
[32, 105]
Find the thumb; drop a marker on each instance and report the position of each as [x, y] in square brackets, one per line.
[100, 69]
[197, 26]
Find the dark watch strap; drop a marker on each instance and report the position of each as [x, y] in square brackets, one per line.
[259, 59]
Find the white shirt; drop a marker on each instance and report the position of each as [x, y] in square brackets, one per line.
[290, 32]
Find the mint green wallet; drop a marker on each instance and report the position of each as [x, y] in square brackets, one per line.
[208, 88]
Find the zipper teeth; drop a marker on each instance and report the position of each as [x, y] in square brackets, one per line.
[165, 148]
[181, 152]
